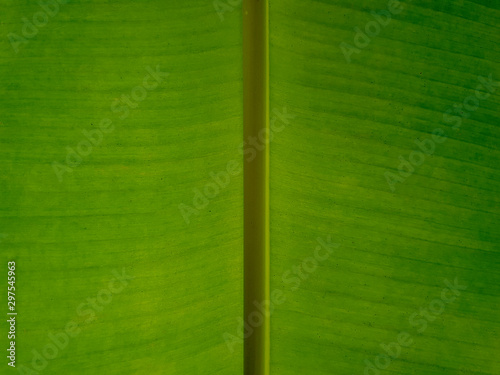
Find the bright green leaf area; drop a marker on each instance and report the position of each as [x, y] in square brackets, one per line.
[120, 279]
[117, 209]
[353, 121]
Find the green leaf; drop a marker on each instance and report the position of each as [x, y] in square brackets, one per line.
[397, 247]
[115, 208]
[122, 203]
